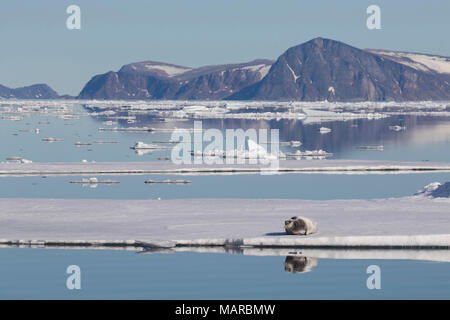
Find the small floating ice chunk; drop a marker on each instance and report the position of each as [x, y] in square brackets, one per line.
[130, 129]
[14, 158]
[142, 145]
[310, 154]
[324, 130]
[105, 142]
[168, 181]
[18, 160]
[379, 148]
[94, 181]
[12, 118]
[50, 139]
[397, 128]
[109, 123]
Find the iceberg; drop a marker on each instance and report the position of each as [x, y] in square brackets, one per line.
[143, 146]
[50, 139]
[324, 130]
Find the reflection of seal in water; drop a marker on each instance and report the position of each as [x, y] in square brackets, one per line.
[300, 226]
[296, 264]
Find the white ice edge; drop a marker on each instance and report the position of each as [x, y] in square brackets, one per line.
[285, 166]
[385, 241]
[435, 255]
[299, 242]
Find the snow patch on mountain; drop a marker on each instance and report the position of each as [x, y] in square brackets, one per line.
[293, 73]
[263, 69]
[169, 70]
[422, 62]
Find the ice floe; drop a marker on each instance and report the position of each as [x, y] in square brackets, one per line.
[144, 146]
[254, 151]
[435, 190]
[409, 222]
[377, 148]
[324, 130]
[309, 154]
[397, 128]
[93, 181]
[51, 140]
[167, 181]
[308, 112]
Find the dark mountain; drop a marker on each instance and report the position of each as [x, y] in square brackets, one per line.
[156, 80]
[320, 69]
[36, 91]
[326, 69]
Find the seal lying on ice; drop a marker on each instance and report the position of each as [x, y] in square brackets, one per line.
[300, 226]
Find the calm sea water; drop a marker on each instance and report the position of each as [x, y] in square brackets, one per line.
[425, 138]
[292, 186]
[115, 274]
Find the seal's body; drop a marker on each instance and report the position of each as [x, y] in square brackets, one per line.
[300, 226]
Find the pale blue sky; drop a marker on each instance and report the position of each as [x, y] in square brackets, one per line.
[36, 46]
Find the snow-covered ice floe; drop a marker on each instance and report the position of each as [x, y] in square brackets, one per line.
[51, 139]
[94, 181]
[314, 154]
[377, 148]
[18, 160]
[324, 130]
[395, 223]
[254, 151]
[435, 190]
[144, 146]
[284, 167]
[167, 181]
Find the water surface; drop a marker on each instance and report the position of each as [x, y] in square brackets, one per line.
[426, 138]
[284, 186]
[116, 274]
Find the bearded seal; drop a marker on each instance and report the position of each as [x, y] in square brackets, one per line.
[300, 226]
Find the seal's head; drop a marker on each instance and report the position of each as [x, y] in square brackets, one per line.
[295, 225]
